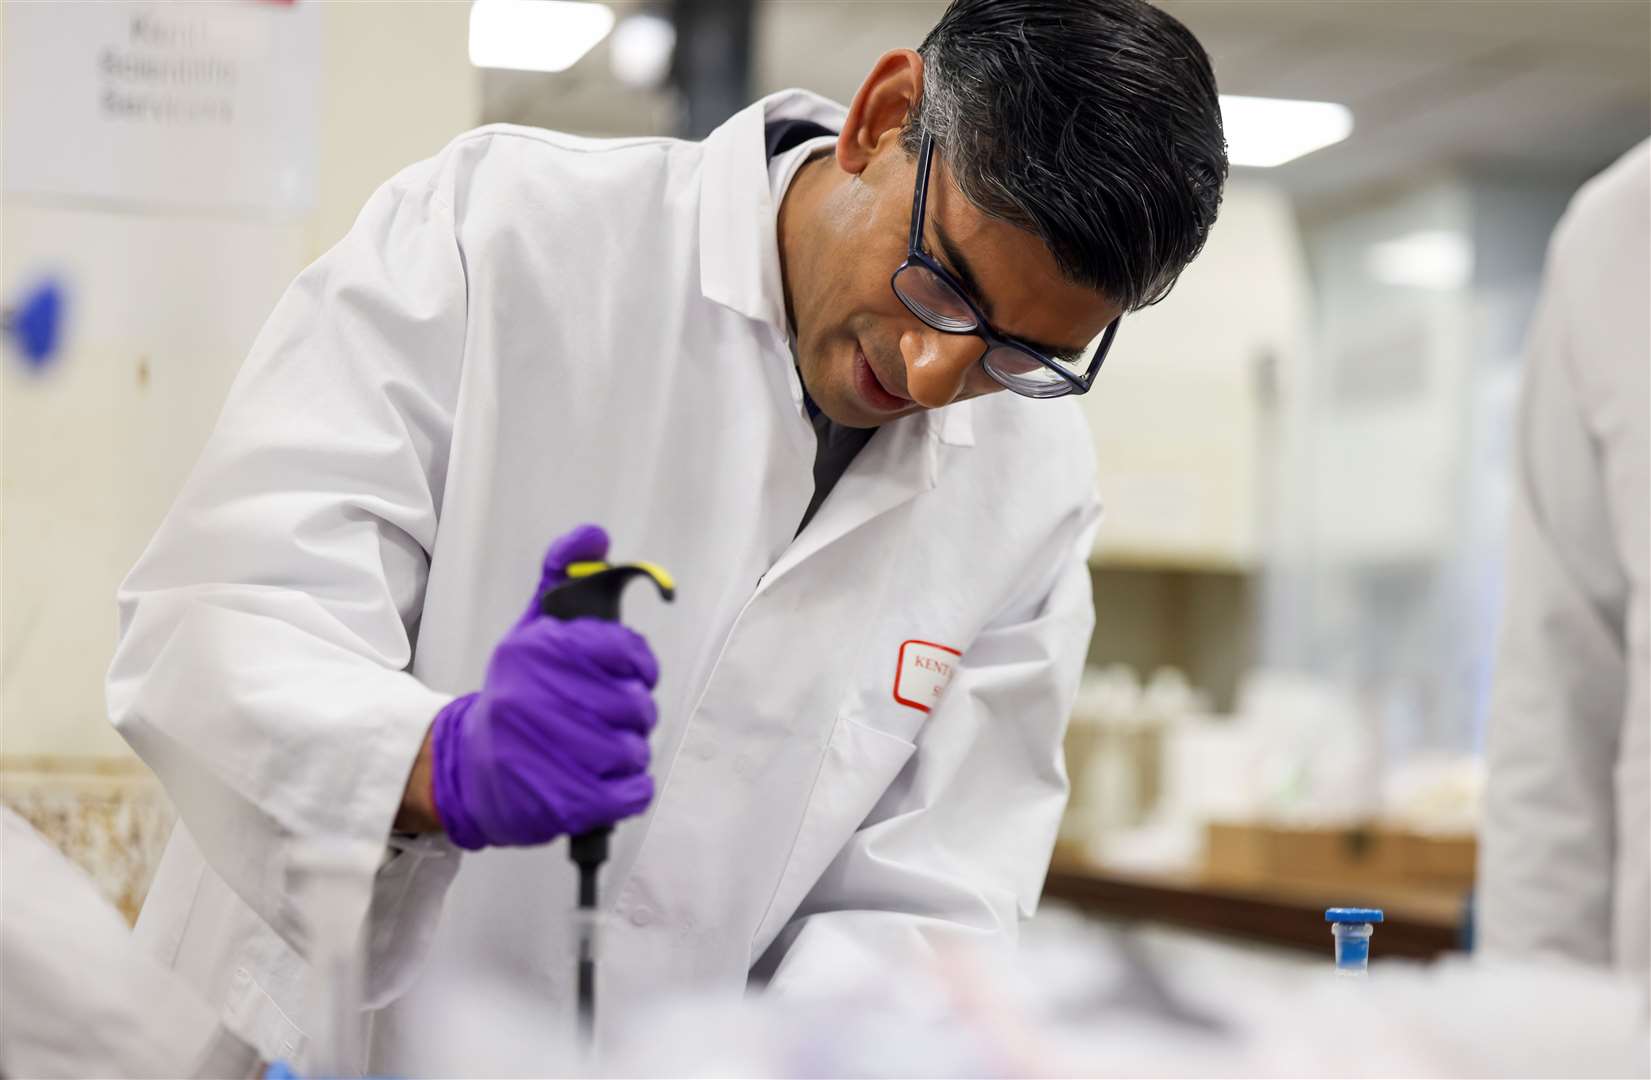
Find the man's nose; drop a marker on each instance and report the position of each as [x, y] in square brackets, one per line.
[938, 365]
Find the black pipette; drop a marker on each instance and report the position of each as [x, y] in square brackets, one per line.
[592, 591]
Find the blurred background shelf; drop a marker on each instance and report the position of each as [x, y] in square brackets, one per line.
[1422, 922]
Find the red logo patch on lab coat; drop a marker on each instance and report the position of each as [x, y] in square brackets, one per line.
[922, 672]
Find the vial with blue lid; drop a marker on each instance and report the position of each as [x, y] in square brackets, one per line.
[1353, 928]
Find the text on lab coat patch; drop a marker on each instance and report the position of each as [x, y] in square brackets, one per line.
[922, 672]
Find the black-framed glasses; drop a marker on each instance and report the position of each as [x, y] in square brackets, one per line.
[931, 293]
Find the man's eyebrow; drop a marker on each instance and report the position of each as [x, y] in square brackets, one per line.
[965, 274]
[1066, 354]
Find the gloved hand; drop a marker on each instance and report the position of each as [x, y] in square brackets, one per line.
[556, 741]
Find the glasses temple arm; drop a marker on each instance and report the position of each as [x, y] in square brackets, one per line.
[921, 198]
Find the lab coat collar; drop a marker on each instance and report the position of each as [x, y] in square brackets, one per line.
[954, 425]
[739, 252]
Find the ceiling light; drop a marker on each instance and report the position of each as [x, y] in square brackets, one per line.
[535, 35]
[1430, 259]
[1263, 132]
[640, 51]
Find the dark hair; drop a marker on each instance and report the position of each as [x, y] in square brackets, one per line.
[1092, 123]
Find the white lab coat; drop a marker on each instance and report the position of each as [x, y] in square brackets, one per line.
[1565, 846]
[529, 331]
[77, 996]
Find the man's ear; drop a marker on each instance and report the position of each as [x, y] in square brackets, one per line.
[881, 107]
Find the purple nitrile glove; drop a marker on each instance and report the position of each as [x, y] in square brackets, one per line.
[556, 741]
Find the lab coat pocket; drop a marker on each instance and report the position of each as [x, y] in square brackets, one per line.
[407, 897]
[859, 764]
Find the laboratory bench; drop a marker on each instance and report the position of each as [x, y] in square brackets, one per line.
[1423, 920]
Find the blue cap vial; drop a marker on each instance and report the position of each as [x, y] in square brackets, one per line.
[1352, 928]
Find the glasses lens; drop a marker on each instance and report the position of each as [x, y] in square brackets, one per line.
[932, 300]
[1020, 371]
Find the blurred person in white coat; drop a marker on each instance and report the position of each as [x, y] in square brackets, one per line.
[78, 997]
[814, 366]
[1567, 830]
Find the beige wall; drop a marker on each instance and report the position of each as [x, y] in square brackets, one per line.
[164, 307]
[1179, 412]
[397, 85]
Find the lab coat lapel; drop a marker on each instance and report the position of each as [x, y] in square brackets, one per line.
[903, 461]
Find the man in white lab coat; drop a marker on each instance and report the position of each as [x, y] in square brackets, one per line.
[1567, 834]
[860, 697]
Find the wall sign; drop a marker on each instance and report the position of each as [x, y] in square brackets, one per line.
[209, 106]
